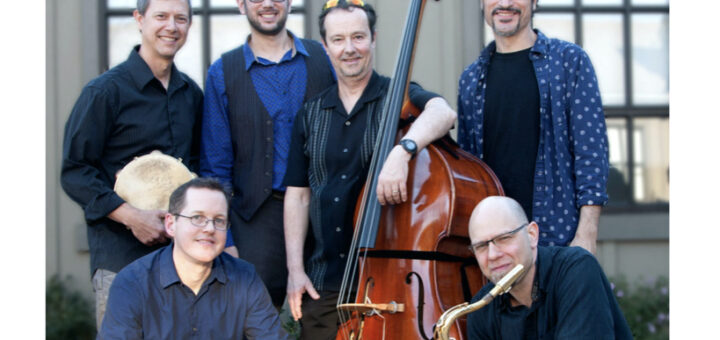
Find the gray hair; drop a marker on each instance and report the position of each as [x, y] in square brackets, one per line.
[142, 6]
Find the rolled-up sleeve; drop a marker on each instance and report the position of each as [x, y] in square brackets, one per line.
[588, 133]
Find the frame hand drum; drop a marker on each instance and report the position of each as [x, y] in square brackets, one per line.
[147, 182]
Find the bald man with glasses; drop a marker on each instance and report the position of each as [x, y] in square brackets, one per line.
[563, 293]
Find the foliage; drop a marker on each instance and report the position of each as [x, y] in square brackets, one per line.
[291, 326]
[646, 306]
[68, 314]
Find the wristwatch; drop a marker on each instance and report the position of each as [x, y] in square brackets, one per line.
[409, 146]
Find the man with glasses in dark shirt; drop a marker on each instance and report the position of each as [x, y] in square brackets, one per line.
[563, 293]
[191, 288]
[141, 105]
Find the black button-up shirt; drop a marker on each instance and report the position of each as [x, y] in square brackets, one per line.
[148, 301]
[122, 114]
[344, 170]
[572, 299]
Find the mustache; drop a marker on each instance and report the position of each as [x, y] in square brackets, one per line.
[510, 9]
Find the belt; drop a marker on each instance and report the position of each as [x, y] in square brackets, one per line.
[278, 195]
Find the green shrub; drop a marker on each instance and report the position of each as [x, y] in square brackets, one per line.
[646, 306]
[68, 314]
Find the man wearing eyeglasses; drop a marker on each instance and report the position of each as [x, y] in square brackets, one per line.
[251, 97]
[191, 288]
[563, 293]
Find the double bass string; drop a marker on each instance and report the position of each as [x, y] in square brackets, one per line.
[367, 221]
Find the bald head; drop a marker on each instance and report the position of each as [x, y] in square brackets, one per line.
[494, 212]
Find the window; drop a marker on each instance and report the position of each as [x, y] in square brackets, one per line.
[217, 28]
[628, 43]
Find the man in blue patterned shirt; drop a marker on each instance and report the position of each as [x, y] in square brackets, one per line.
[530, 107]
[252, 95]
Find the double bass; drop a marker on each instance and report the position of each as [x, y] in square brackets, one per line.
[410, 262]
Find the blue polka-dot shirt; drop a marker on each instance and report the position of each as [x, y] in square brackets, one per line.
[571, 168]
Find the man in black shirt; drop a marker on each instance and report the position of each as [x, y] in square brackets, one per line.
[141, 105]
[332, 145]
[563, 293]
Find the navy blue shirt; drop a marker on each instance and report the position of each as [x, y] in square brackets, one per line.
[571, 166]
[148, 301]
[572, 299]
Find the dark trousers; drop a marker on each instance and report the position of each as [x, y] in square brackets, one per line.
[261, 241]
[319, 317]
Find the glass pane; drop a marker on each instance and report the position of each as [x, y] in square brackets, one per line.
[603, 41]
[556, 25]
[223, 3]
[650, 67]
[618, 176]
[602, 2]
[233, 3]
[652, 166]
[650, 2]
[121, 3]
[231, 31]
[556, 3]
[133, 3]
[124, 35]
[189, 58]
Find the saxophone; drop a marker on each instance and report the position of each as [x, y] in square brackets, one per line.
[447, 319]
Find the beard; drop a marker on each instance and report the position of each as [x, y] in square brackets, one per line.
[279, 26]
[517, 27]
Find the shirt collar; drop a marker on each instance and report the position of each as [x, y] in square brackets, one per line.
[540, 47]
[168, 274]
[250, 58]
[142, 75]
[372, 91]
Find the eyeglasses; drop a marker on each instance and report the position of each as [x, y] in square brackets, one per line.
[201, 221]
[332, 3]
[259, 1]
[500, 240]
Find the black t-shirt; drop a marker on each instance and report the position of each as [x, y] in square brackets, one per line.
[512, 124]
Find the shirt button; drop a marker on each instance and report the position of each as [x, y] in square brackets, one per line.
[268, 139]
[343, 176]
[345, 150]
[338, 229]
[336, 199]
[267, 155]
[342, 256]
[347, 123]
[539, 188]
[267, 173]
[194, 329]
[268, 122]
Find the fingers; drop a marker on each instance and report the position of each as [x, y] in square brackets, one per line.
[395, 193]
[295, 302]
[311, 291]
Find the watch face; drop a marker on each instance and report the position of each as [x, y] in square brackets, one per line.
[409, 146]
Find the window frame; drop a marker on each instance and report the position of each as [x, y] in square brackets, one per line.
[205, 10]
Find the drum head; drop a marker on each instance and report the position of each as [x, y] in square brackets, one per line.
[147, 181]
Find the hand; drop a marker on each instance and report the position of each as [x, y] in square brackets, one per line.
[392, 181]
[146, 225]
[299, 283]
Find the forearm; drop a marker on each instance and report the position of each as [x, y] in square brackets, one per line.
[586, 233]
[435, 121]
[296, 220]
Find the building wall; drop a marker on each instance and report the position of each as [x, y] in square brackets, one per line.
[634, 245]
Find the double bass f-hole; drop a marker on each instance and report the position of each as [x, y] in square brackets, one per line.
[420, 302]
